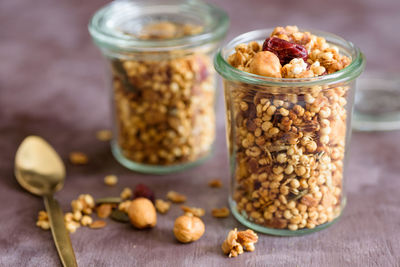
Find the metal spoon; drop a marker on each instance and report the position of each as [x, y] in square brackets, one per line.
[40, 170]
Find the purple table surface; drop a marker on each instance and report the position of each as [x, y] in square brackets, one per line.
[52, 84]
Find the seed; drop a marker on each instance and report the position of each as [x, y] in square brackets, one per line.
[104, 135]
[111, 180]
[119, 216]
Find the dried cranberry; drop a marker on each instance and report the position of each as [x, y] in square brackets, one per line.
[284, 50]
[143, 191]
[202, 73]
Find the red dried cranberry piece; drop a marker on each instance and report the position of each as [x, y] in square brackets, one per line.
[202, 72]
[284, 50]
[142, 190]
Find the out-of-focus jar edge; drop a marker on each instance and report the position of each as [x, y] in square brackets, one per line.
[106, 41]
[228, 72]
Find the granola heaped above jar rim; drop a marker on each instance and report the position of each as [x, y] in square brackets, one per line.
[347, 60]
[118, 25]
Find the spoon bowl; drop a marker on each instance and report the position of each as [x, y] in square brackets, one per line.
[38, 167]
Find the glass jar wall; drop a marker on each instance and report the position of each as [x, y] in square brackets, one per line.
[287, 142]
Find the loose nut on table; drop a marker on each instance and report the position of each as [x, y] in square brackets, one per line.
[142, 213]
[188, 228]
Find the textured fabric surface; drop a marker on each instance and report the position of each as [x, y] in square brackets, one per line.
[52, 85]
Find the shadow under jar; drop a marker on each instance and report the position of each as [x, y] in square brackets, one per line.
[287, 142]
[163, 81]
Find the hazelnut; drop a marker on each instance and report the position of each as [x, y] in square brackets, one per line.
[266, 64]
[188, 228]
[142, 213]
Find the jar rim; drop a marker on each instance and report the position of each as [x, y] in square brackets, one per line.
[106, 34]
[227, 71]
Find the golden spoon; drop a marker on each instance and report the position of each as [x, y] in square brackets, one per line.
[40, 170]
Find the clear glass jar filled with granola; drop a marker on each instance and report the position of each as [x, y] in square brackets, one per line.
[163, 81]
[289, 97]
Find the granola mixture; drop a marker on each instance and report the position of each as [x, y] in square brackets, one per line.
[289, 143]
[236, 242]
[165, 106]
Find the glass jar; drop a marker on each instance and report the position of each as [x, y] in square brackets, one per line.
[277, 168]
[163, 81]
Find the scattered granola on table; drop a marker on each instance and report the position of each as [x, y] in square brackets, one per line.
[162, 206]
[104, 135]
[175, 197]
[289, 143]
[236, 242]
[43, 220]
[124, 205]
[198, 212]
[111, 180]
[97, 224]
[104, 210]
[220, 213]
[78, 158]
[217, 183]
[126, 193]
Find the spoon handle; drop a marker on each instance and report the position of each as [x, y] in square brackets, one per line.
[59, 232]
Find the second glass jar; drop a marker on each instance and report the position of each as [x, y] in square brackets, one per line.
[163, 80]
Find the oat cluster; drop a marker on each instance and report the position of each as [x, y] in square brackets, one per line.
[111, 180]
[176, 197]
[236, 242]
[162, 206]
[323, 58]
[289, 143]
[220, 213]
[82, 208]
[198, 212]
[43, 220]
[164, 106]
[78, 158]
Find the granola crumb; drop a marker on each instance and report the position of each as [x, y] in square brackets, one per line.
[78, 158]
[126, 193]
[216, 183]
[98, 224]
[124, 206]
[84, 204]
[198, 212]
[248, 238]
[175, 197]
[236, 241]
[72, 226]
[162, 206]
[43, 220]
[104, 210]
[111, 180]
[231, 246]
[220, 213]
[86, 220]
[104, 135]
